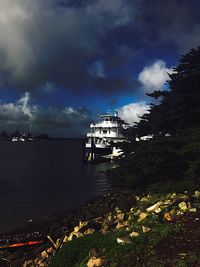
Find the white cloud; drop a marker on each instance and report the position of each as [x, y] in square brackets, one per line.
[22, 112]
[131, 113]
[19, 112]
[24, 105]
[154, 76]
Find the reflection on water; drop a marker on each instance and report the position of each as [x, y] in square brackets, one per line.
[38, 179]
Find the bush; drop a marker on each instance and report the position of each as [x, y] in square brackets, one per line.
[165, 161]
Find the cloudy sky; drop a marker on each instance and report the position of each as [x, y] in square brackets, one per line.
[63, 62]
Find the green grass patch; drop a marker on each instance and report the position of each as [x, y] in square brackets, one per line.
[140, 253]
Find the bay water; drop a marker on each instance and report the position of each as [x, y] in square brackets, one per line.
[39, 179]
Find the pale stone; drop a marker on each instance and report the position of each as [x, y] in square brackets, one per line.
[197, 194]
[65, 239]
[138, 212]
[44, 254]
[193, 210]
[183, 206]
[89, 231]
[123, 240]
[142, 216]
[154, 207]
[134, 234]
[50, 250]
[145, 229]
[121, 224]
[95, 262]
[120, 216]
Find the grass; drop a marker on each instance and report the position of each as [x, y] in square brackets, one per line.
[140, 253]
[143, 250]
[188, 260]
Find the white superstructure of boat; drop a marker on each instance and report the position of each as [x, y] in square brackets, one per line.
[105, 134]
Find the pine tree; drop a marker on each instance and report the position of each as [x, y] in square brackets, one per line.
[180, 106]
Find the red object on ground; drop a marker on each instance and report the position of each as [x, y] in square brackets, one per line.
[30, 243]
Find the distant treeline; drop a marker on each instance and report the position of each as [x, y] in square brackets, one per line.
[17, 134]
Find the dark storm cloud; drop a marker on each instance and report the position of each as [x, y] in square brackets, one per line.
[58, 42]
[172, 21]
[109, 85]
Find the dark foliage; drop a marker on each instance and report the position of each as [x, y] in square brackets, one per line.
[179, 107]
[166, 160]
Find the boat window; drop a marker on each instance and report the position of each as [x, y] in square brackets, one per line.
[104, 131]
[107, 119]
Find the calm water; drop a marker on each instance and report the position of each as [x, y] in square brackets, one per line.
[39, 179]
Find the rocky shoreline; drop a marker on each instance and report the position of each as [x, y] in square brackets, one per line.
[38, 231]
[129, 217]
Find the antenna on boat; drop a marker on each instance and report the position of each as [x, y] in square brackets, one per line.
[30, 128]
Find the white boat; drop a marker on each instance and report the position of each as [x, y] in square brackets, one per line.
[105, 134]
[15, 139]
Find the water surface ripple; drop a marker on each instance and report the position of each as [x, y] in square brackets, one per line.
[39, 179]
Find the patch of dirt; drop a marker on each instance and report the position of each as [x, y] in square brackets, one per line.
[184, 243]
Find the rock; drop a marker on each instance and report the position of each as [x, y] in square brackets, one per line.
[117, 210]
[89, 231]
[123, 240]
[95, 262]
[71, 236]
[154, 207]
[183, 206]
[80, 226]
[173, 195]
[44, 254]
[138, 212]
[197, 194]
[144, 199]
[65, 239]
[179, 213]
[104, 229]
[120, 216]
[109, 216]
[183, 254]
[76, 229]
[134, 234]
[58, 242]
[54, 244]
[28, 263]
[50, 250]
[42, 264]
[121, 224]
[142, 216]
[145, 229]
[193, 210]
[137, 198]
[167, 217]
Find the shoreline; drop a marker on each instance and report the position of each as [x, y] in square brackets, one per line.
[55, 227]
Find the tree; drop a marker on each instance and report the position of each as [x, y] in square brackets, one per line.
[167, 160]
[179, 107]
